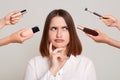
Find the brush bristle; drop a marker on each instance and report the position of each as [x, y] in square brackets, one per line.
[86, 9]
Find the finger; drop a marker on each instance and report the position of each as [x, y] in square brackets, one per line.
[27, 37]
[12, 13]
[89, 35]
[14, 22]
[50, 48]
[16, 18]
[21, 38]
[17, 15]
[22, 30]
[58, 50]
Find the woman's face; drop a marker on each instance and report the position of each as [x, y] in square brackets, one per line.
[58, 32]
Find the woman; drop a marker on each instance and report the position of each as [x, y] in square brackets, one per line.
[60, 50]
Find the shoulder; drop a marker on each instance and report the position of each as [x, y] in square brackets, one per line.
[84, 60]
[37, 60]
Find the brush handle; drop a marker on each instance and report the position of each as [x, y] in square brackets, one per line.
[97, 14]
[90, 31]
[23, 11]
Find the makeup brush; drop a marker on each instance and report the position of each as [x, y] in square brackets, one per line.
[88, 30]
[86, 9]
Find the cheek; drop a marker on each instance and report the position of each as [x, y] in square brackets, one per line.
[51, 36]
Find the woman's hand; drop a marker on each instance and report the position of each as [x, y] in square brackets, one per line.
[101, 38]
[12, 18]
[110, 21]
[58, 59]
[18, 38]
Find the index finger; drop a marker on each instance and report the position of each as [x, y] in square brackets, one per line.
[50, 47]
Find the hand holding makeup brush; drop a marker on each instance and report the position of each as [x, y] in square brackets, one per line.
[108, 20]
[11, 18]
[103, 38]
[111, 21]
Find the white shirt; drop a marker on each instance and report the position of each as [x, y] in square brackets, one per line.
[76, 68]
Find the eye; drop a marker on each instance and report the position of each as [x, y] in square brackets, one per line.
[53, 28]
[65, 28]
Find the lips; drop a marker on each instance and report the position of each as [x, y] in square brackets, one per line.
[59, 40]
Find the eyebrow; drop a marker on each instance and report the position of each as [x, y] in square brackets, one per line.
[56, 26]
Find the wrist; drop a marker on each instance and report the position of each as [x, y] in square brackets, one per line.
[53, 70]
[6, 40]
[118, 25]
[2, 22]
[107, 40]
[9, 39]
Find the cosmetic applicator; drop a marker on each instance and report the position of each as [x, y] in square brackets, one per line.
[23, 11]
[30, 31]
[86, 9]
[88, 30]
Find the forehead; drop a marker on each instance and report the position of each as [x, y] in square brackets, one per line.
[58, 21]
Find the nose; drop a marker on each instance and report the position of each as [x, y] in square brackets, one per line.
[59, 33]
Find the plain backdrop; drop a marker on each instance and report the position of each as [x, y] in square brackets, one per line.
[14, 57]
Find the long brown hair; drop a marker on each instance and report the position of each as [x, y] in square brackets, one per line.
[74, 46]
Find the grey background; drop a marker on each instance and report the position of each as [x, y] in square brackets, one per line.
[14, 57]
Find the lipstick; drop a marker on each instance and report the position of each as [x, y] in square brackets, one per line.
[88, 30]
